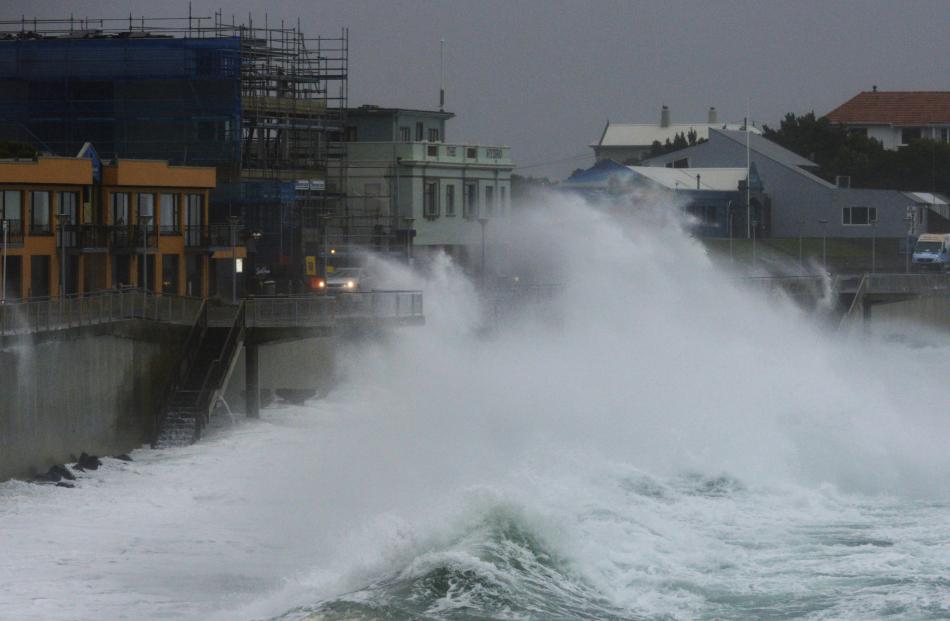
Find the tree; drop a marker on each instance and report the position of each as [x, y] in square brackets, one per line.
[923, 165]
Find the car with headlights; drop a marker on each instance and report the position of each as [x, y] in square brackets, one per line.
[348, 280]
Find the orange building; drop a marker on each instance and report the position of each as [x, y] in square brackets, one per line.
[116, 225]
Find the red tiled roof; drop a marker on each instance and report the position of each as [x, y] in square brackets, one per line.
[894, 108]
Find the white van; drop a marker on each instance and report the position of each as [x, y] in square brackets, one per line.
[932, 252]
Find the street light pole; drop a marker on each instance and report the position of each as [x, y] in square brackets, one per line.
[3, 292]
[234, 220]
[873, 245]
[824, 244]
[755, 225]
[61, 217]
[729, 217]
[483, 222]
[801, 258]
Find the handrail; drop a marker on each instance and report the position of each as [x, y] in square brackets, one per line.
[216, 371]
[189, 353]
[89, 309]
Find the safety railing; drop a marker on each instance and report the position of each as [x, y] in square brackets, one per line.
[213, 235]
[11, 232]
[326, 310]
[90, 309]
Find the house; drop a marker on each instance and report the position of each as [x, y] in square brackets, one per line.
[802, 203]
[895, 118]
[714, 197]
[628, 143]
[123, 223]
[408, 186]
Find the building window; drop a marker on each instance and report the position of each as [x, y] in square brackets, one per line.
[450, 199]
[432, 150]
[419, 130]
[910, 133]
[194, 219]
[493, 153]
[502, 200]
[430, 200]
[405, 134]
[433, 134]
[146, 211]
[681, 163]
[39, 213]
[945, 134]
[858, 216]
[471, 153]
[858, 131]
[470, 206]
[170, 214]
[489, 200]
[120, 208]
[10, 206]
[451, 151]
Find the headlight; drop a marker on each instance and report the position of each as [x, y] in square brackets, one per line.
[321, 284]
[350, 284]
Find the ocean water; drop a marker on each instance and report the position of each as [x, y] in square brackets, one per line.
[655, 442]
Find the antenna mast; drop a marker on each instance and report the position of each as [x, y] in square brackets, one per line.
[442, 75]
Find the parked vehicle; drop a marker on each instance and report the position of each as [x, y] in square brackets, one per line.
[348, 279]
[932, 252]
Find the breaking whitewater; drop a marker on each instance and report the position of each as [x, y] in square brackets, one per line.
[652, 442]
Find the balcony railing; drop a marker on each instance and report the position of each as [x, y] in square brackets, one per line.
[213, 236]
[85, 236]
[14, 232]
[133, 237]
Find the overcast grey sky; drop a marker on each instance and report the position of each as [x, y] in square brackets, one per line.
[543, 76]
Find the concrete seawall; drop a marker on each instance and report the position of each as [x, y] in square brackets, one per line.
[95, 389]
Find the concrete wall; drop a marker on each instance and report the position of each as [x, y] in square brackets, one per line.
[92, 390]
[931, 311]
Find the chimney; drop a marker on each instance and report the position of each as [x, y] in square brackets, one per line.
[712, 116]
[874, 88]
[665, 116]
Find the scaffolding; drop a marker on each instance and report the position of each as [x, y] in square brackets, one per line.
[262, 102]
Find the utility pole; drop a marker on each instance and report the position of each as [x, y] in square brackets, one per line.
[824, 244]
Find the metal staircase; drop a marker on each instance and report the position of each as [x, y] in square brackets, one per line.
[210, 354]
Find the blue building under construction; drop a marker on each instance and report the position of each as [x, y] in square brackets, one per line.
[263, 104]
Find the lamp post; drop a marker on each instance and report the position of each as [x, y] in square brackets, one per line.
[729, 218]
[483, 222]
[755, 225]
[824, 244]
[909, 219]
[3, 291]
[145, 221]
[234, 272]
[409, 222]
[252, 252]
[61, 220]
[873, 245]
[801, 257]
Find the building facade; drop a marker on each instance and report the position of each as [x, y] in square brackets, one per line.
[802, 203]
[629, 143]
[75, 225]
[407, 183]
[714, 199]
[264, 105]
[895, 118]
